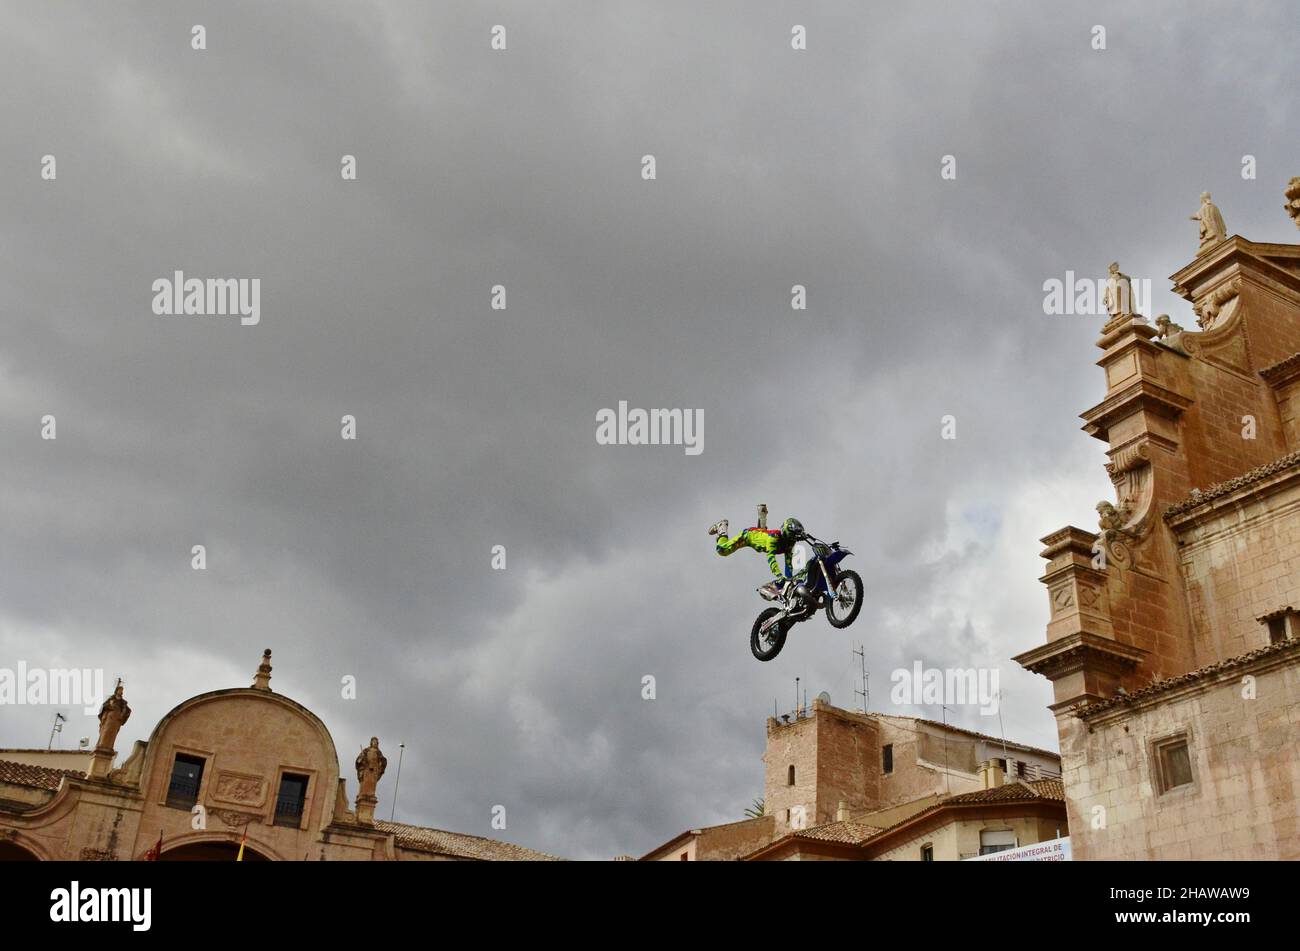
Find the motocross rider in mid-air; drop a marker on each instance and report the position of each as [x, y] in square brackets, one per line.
[768, 542]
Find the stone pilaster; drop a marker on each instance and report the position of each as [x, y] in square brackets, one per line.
[1082, 658]
[366, 809]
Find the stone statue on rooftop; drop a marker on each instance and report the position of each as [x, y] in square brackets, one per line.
[1292, 205]
[371, 764]
[1118, 295]
[1170, 334]
[1212, 228]
[115, 712]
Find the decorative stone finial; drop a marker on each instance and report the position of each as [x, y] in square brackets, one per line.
[1292, 205]
[1212, 227]
[262, 680]
[371, 764]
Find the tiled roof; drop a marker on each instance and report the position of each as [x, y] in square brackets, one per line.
[700, 830]
[1279, 368]
[37, 777]
[1170, 683]
[1010, 792]
[421, 839]
[846, 832]
[983, 736]
[859, 834]
[1020, 790]
[1258, 474]
[1049, 788]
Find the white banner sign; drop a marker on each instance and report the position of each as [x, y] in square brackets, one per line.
[1053, 850]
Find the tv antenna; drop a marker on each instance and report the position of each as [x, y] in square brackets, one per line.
[865, 692]
[59, 720]
[401, 751]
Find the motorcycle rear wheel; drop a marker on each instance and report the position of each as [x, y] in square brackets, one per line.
[765, 646]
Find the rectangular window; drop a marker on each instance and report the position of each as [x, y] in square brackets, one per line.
[1276, 630]
[887, 758]
[998, 840]
[1173, 763]
[187, 776]
[291, 800]
[927, 853]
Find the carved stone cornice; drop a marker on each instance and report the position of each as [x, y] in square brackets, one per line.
[1228, 259]
[1131, 329]
[1079, 652]
[1142, 395]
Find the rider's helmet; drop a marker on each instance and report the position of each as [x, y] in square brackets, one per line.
[792, 529]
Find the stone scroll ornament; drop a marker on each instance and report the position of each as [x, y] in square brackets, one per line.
[1123, 526]
[1209, 308]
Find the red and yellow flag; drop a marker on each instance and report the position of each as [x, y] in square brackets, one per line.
[240, 856]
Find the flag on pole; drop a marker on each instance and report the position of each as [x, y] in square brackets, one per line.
[156, 852]
[240, 856]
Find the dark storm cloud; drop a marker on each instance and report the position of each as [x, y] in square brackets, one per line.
[476, 427]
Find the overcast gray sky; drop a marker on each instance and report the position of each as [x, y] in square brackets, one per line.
[476, 427]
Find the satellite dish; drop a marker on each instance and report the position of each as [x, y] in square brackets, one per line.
[824, 697]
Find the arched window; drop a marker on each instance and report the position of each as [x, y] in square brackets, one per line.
[789, 781]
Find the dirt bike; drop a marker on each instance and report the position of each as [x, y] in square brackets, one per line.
[820, 585]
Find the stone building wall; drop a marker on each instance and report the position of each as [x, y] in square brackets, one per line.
[838, 758]
[1241, 726]
[961, 839]
[1199, 546]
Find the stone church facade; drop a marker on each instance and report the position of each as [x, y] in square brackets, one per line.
[239, 766]
[1173, 644]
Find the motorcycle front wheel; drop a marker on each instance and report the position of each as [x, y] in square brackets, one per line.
[766, 645]
[846, 603]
